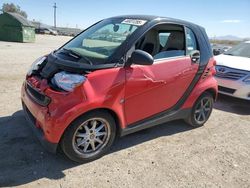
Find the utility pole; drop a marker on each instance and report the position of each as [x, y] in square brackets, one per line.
[55, 7]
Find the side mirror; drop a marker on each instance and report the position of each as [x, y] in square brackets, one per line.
[216, 52]
[140, 57]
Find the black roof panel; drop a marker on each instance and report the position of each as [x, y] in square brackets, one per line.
[142, 17]
[152, 17]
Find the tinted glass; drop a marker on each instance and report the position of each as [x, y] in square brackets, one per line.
[242, 50]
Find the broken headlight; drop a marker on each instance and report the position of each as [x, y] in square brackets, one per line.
[67, 81]
[36, 64]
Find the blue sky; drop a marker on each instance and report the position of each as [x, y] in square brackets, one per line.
[219, 17]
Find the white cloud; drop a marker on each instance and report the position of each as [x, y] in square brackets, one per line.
[231, 21]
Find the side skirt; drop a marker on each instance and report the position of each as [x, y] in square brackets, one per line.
[159, 119]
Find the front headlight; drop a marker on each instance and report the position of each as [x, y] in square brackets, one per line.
[247, 80]
[67, 81]
[36, 65]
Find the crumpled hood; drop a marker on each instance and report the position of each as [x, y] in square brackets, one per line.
[242, 63]
[55, 64]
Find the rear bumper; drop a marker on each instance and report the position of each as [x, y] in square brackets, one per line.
[51, 147]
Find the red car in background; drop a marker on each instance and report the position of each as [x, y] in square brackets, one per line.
[119, 76]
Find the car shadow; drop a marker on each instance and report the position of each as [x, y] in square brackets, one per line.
[232, 105]
[24, 160]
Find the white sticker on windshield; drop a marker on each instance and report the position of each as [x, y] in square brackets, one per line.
[134, 22]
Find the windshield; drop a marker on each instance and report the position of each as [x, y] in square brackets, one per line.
[100, 41]
[242, 50]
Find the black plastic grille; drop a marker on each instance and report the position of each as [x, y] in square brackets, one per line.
[37, 96]
[226, 90]
[229, 73]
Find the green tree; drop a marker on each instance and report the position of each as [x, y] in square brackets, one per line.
[10, 7]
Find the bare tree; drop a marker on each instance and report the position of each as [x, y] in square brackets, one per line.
[10, 7]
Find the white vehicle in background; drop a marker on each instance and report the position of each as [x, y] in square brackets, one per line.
[233, 71]
[226, 48]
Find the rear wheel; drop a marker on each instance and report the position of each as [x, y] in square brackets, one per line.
[89, 137]
[201, 110]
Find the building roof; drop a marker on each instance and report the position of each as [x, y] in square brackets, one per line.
[20, 18]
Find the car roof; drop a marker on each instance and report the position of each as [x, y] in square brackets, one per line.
[155, 18]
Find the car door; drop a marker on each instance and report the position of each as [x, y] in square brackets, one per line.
[152, 89]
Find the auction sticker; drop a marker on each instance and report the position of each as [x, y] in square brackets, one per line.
[134, 22]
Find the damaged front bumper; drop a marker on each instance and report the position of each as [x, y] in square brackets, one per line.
[48, 112]
[51, 147]
[36, 114]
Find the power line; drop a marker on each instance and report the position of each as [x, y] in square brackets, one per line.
[55, 7]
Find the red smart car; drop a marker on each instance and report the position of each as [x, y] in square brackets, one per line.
[119, 76]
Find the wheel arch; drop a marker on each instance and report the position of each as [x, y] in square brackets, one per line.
[111, 112]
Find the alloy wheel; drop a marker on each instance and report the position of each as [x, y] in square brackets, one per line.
[203, 110]
[91, 136]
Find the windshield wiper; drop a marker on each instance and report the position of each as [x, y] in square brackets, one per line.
[228, 54]
[77, 55]
[72, 53]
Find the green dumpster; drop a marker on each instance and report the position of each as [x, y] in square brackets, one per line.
[15, 28]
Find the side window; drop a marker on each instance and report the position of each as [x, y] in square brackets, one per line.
[172, 44]
[163, 41]
[190, 41]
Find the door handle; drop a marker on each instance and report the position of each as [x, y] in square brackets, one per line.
[195, 56]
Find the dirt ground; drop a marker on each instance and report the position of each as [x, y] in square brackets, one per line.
[169, 155]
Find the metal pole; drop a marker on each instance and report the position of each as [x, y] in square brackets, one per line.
[55, 7]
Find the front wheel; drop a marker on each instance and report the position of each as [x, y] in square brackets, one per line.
[89, 137]
[201, 110]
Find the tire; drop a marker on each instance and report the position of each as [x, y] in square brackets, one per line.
[201, 110]
[89, 137]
